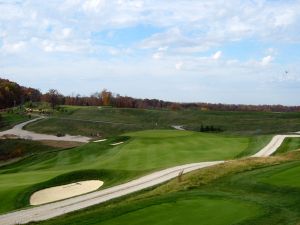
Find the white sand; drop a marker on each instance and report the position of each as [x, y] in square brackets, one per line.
[64, 191]
[117, 143]
[100, 140]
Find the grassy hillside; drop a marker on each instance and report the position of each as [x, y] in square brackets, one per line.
[142, 152]
[289, 144]
[242, 192]
[91, 121]
[17, 148]
[8, 120]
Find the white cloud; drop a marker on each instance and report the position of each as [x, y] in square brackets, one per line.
[178, 65]
[157, 55]
[93, 5]
[13, 47]
[266, 60]
[67, 47]
[285, 18]
[179, 36]
[66, 32]
[217, 55]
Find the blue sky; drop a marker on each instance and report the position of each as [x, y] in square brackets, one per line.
[234, 51]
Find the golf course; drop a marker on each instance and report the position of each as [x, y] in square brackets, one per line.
[148, 112]
[123, 155]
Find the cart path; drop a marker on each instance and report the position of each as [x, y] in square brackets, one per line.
[25, 134]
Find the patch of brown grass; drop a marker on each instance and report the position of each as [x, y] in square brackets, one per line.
[61, 144]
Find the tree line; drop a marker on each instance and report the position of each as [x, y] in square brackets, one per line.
[12, 94]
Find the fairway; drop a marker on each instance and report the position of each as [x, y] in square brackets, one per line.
[188, 210]
[141, 153]
[286, 175]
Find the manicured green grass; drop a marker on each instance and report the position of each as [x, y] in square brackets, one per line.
[289, 144]
[114, 121]
[232, 193]
[188, 209]
[285, 175]
[141, 153]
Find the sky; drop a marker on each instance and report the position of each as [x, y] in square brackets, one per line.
[233, 51]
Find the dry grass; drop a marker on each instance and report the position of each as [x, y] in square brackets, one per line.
[61, 144]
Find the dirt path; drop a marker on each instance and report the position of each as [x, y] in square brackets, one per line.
[178, 127]
[51, 210]
[25, 134]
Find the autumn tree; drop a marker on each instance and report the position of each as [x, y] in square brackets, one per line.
[106, 97]
[53, 97]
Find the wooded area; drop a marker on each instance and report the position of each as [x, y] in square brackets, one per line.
[12, 94]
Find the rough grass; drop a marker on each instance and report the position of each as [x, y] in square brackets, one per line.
[236, 192]
[8, 120]
[289, 144]
[90, 121]
[16, 148]
[141, 153]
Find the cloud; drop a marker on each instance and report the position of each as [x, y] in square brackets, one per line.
[13, 47]
[217, 55]
[178, 65]
[157, 55]
[215, 42]
[93, 5]
[285, 18]
[266, 60]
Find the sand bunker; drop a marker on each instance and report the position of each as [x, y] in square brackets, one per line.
[64, 191]
[117, 143]
[100, 140]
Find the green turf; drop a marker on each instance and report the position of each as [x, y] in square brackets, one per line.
[285, 175]
[237, 193]
[289, 144]
[141, 153]
[114, 121]
[181, 211]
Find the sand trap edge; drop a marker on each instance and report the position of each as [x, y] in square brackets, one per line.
[62, 192]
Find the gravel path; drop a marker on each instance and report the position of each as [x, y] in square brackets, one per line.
[178, 127]
[25, 134]
[51, 210]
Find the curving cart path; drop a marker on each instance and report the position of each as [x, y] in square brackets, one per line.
[25, 134]
[51, 210]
